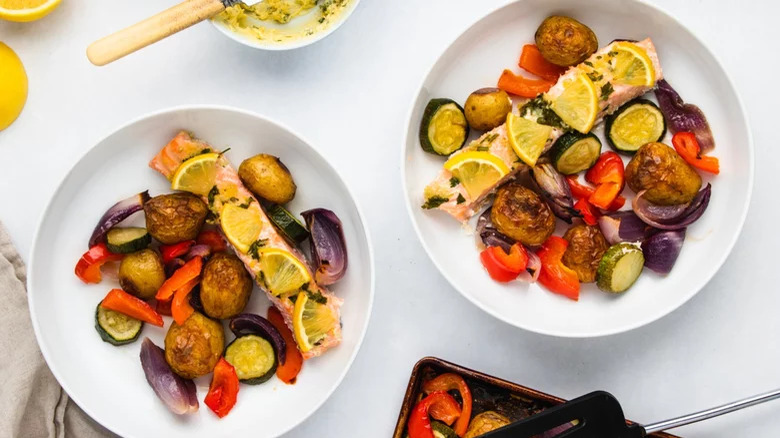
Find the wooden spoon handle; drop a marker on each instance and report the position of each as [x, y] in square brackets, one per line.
[151, 30]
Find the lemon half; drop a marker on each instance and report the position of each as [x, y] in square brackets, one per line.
[578, 104]
[26, 10]
[282, 272]
[196, 175]
[527, 138]
[13, 86]
[632, 66]
[312, 321]
[241, 226]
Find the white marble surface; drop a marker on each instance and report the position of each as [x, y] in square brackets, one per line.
[349, 94]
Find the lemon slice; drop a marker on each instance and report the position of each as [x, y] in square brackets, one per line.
[311, 322]
[196, 175]
[632, 66]
[282, 272]
[241, 226]
[527, 138]
[26, 10]
[13, 86]
[477, 171]
[578, 104]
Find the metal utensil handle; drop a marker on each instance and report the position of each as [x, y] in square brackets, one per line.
[711, 413]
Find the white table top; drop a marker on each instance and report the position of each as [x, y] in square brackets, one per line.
[349, 94]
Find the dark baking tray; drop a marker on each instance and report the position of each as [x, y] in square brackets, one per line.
[489, 393]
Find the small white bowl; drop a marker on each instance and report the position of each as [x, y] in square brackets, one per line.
[292, 43]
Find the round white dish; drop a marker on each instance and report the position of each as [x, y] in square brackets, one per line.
[108, 382]
[475, 60]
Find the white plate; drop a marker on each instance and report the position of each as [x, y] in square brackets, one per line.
[107, 381]
[476, 59]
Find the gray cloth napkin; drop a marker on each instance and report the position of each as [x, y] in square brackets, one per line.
[32, 403]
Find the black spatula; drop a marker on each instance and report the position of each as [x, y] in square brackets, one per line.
[599, 415]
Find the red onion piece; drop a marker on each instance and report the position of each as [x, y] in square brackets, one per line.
[692, 212]
[490, 236]
[202, 251]
[328, 246]
[116, 214]
[662, 249]
[624, 226]
[531, 273]
[555, 190]
[684, 117]
[251, 324]
[177, 393]
[172, 266]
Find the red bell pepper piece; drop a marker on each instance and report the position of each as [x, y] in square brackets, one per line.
[181, 309]
[687, 146]
[501, 266]
[531, 60]
[419, 425]
[288, 371]
[608, 174]
[163, 307]
[122, 302]
[213, 239]
[522, 86]
[181, 277]
[223, 390]
[580, 191]
[449, 382]
[88, 266]
[170, 252]
[589, 214]
[554, 275]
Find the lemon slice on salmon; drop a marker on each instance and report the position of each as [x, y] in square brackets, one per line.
[26, 10]
[241, 226]
[578, 104]
[311, 321]
[282, 273]
[477, 171]
[527, 138]
[196, 175]
[632, 66]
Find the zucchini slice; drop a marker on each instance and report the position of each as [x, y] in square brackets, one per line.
[116, 328]
[574, 152]
[619, 267]
[634, 125]
[127, 240]
[290, 227]
[444, 128]
[441, 430]
[253, 358]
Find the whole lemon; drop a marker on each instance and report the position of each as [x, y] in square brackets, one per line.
[13, 86]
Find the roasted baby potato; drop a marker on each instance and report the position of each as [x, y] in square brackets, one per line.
[668, 179]
[487, 108]
[586, 247]
[225, 288]
[141, 273]
[565, 41]
[175, 217]
[267, 177]
[522, 215]
[193, 348]
[485, 422]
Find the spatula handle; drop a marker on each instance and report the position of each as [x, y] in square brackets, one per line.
[151, 30]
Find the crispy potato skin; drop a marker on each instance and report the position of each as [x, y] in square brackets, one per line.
[668, 179]
[193, 348]
[226, 286]
[565, 41]
[586, 247]
[141, 273]
[267, 177]
[175, 217]
[485, 422]
[522, 215]
[487, 108]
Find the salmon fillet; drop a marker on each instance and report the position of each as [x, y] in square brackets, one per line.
[230, 189]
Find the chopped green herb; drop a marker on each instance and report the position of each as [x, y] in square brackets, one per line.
[540, 108]
[247, 203]
[606, 91]
[317, 297]
[482, 148]
[224, 151]
[254, 248]
[293, 298]
[595, 76]
[461, 199]
[588, 63]
[213, 193]
[454, 181]
[434, 202]
[233, 199]
[488, 139]
[598, 56]
[612, 53]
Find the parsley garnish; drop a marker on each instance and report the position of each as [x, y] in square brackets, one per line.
[595, 76]
[482, 148]
[434, 202]
[233, 199]
[612, 53]
[317, 297]
[544, 114]
[213, 193]
[588, 63]
[247, 203]
[606, 91]
[254, 248]
[489, 139]
[461, 199]
[454, 181]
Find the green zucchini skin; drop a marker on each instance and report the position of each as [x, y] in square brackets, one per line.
[290, 227]
[610, 122]
[115, 339]
[430, 112]
[441, 430]
[572, 142]
[265, 375]
[611, 270]
[127, 240]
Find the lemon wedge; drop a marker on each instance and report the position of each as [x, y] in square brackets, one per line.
[578, 104]
[477, 171]
[527, 138]
[632, 66]
[26, 10]
[196, 175]
[13, 86]
[241, 226]
[282, 272]
[311, 322]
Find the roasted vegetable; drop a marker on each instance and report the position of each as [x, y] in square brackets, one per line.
[116, 328]
[662, 249]
[583, 255]
[142, 273]
[672, 217]
[554, 275]
[225, 286]
[521, 214]
[663, 174]
[522, 86]
[574, 152]
[288, 225]
[454, 382]
[328, 245]
[122, 302]
[555, 190]
[268, 178]
[687, 146]
[565, 41]
[251, 324]
[175, 217]
[192, 349]
[116, 214]
[684, 117]
[291, 362]
[178, 394]
[253, 359]
[487, 108]
[634, 125]
[485, 422]
[624, 226]
[127, 240]
[223, 390]
[88, 266]
[620, 267]
[444, 128]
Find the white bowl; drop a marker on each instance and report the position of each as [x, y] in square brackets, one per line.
[475, 60]
[107, 382]
[290, 44]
